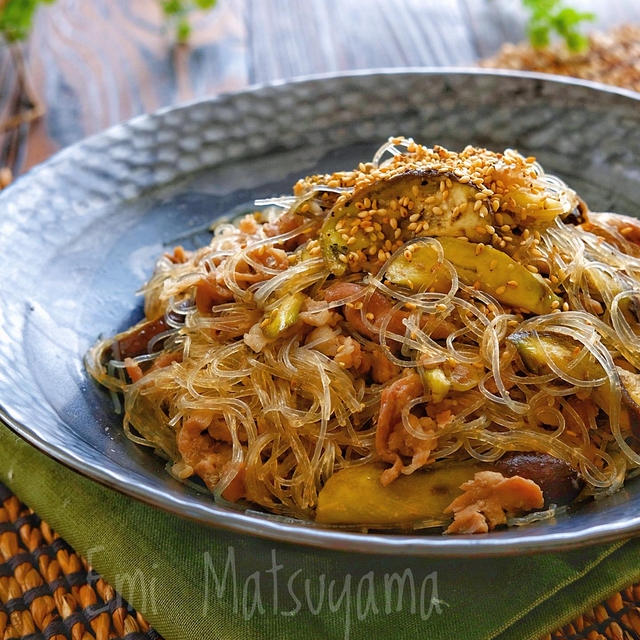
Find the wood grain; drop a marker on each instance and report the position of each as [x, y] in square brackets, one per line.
[97, 62]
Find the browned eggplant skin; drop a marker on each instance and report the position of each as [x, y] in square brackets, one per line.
[135, 344]
[559, 482]
[630, 387]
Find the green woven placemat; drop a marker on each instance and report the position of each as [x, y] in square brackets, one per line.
[173, 571]
[49, 592]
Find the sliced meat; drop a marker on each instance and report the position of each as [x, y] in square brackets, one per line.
[349, 354]
[393, 441]
[346, 351]
[166, 359]
[489, 498]
[406, 446]
[378, 305]
[283, 224]
[392, 399]
[315, 314]
[179, 255]
[211, 290]
[382, 369]
[209, 294]
[208, 457]
[623, 232]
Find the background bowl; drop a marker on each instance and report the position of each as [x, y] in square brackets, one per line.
[80, 233]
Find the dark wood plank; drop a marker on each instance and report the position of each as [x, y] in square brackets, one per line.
[489, 26]
[97, 62]
[324, 35]
[288, 38]
[439, 36]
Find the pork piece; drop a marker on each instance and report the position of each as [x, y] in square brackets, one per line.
[212, 290]
[382, 369]
[209, 293]
[283, 224]
[392, 399]
[559, 482]
[346, 351]
[315, 314]
[350, 354]
[207, 456]
[489, 498]
[378, 305]
[623, 232]
[393, 441]
[179, 255]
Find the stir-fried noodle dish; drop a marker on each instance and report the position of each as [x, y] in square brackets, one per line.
[432, 339]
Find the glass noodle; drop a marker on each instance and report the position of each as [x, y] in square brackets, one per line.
[294, 415]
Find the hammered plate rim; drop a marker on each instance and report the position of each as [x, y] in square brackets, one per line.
[303, 533]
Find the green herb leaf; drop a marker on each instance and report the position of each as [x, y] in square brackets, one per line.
[183, 30]
[172, 7]
[552, 16]
[178, 13]
[539, 36]
[576, 42]
[16, 18]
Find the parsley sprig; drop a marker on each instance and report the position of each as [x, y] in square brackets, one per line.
[16, 18]
[553, 16]
[178, 12]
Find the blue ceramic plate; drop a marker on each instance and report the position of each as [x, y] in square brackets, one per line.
[80, 233]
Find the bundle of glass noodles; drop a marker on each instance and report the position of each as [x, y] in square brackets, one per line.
[431, 339]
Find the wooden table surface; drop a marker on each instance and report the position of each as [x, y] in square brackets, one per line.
[97, 62]
[94, 63]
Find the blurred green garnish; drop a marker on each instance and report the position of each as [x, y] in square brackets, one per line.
[16, 18]
[553, 16]
[178, 12]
